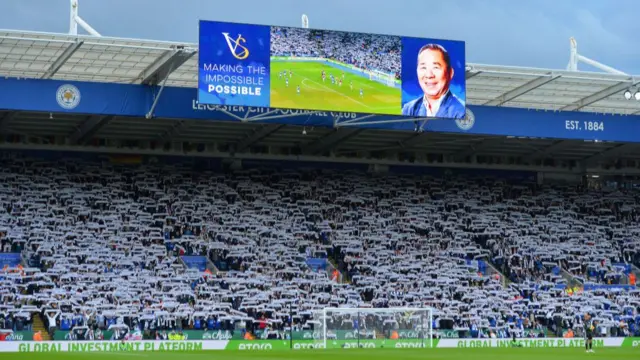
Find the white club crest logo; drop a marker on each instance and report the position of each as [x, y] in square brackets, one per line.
[468, 121]
[238, 50]
[68, 96]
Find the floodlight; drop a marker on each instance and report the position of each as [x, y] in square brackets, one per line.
[637, 95]
[627, 95]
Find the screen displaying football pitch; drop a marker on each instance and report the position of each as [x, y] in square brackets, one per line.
[308, 69]
[322, 86]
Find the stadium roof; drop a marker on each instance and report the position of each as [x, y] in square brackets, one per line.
[116, 60]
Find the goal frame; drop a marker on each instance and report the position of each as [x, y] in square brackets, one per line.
[373, 311]
[382, 77]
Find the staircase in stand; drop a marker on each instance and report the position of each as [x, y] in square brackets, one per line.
[493, 270]
[636, 271]
[38, 325]
[572, 280]
[333, 265]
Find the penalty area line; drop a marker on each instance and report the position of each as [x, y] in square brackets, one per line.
[337, 92]
[304, 83]
[326, 89]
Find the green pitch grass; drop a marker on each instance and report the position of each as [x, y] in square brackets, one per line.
[315, 94]
[351, 354]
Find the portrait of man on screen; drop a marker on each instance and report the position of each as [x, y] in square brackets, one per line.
[434, 72]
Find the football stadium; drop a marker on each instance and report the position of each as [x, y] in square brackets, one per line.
[140, 220]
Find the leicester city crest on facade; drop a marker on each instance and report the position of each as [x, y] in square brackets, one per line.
[68, 96]
[468, 121]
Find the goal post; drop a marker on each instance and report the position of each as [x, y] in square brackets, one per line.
[374, 328]
[382, 77]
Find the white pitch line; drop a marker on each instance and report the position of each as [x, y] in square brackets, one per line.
[311, 87]
[339, 93]
[326, 88]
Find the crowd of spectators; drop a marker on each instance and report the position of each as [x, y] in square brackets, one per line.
[364, 51]
[103, 246]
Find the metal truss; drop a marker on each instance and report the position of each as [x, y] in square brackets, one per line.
[5, 120]
[89, 128]
[163, 66]
[600, 95]
[177, 128]
[256, 136]
[479, 146]
[550, 150]
[62, 59]
[521, 90]
[613, 152]
[331, 140]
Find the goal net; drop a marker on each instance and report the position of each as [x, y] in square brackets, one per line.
[374, 328]
[384, 78]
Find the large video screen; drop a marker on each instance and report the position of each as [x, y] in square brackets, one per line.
[320, 70]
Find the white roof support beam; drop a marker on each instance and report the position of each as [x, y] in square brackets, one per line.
[330, 140]
[261, 133]
[470, 73]
[88, 129]
[62, 59]
[617, 150]
[600, 95]
[164, 65]
[75, 20]
[521, 90]
[575, 58]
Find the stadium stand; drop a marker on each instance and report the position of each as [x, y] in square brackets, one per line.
[160, 247]
[365, 51]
